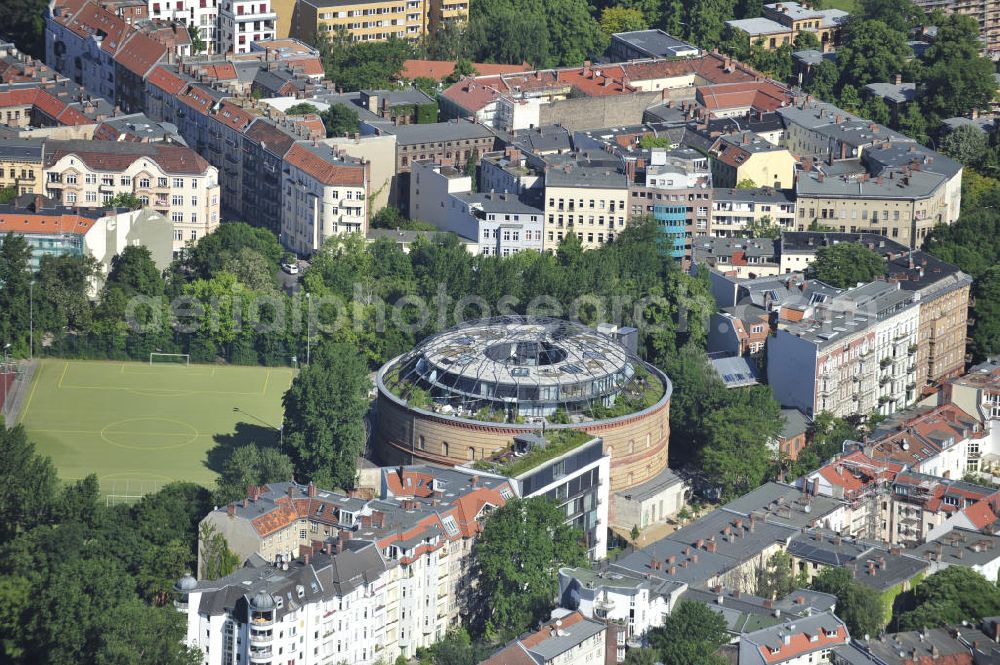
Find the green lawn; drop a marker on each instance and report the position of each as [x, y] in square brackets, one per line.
[139, 426]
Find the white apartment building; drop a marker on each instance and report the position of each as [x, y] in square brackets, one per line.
[423, 526]
[848, 354]
[501, 223]
[734, 210]
[173, 180]
[327, 608]
[242, 22]
[204, 14]
[325, 194]
[586, 198]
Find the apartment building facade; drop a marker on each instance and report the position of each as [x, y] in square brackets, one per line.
[21, 165]
[202, 14]
[589, 201]
[328, 607]
[676, 190]
[375, 20]
[501, 224]
[325, 193]
[735, 211]
[848, 354]
[242, 22]
[172, 180]
[424, 523]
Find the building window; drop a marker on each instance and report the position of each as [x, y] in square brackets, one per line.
[144, 183]
[178, 182]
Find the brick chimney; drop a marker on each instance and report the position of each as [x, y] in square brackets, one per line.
[312, 490]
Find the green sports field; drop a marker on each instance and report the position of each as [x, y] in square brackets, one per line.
[139, 426]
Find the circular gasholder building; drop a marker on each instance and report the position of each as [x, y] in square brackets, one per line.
[464, 395]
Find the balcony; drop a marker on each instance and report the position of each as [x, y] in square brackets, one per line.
[259, 637]
[260, 654]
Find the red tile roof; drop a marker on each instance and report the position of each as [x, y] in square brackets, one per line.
[325, 171]
[763, 96]
[223, 71]
[46, 103]
[18, 222]
[165, 80]
[234, 116]
[115, 157]
[801, 643]
[442, 69]
[980, 514]
[140, 53]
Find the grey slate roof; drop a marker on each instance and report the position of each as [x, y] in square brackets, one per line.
[26, 149]
[656, 43]
[796, 423]
[897, 93]
[325, 577]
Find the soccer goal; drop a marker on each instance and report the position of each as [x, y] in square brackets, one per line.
[171, 358]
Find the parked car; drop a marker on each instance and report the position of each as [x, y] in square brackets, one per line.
[290, 268]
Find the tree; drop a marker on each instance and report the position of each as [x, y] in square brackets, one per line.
[986, 312]
[302, 108]
[706, 20]
[27, 484]
[197, 43]
[217, 560]
[546, 34]
[648, 142]
[858, 605]
[778, 578]
[847, 264]
[363, 65]
[324, 416]
[736, 454]
[765, 227]
[776, 62]
[24, 24]
[966, 144]
[251, 269]
[876, 110]
[457, 648]
[621, 19]
[639, 656]
[690, 635]
[125, 200]
[136, 633]
[340, 120]
[951, 596]
[209, 256]
[14, 292]
[805, 41]
[251, 465]
[634, 533]
[957, 80]
[8, 194]
[522, 545]
[912, 122]
[823, 80]
[746, 183]
[898, 15]
[871, 52]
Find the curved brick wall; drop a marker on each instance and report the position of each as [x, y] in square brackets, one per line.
[637, 443]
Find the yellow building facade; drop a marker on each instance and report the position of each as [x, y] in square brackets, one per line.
[374, 20]
[21, 164]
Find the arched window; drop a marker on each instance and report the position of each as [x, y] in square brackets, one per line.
[472, 453]
[631, 446]
[444, 448]
[420, 442]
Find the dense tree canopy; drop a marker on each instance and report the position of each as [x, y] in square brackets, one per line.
[522, 546]
[951, 596]
[690, 635]
[83, 583]
[544, 33]
[860, 606]
[324, 416]
[846, 264]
